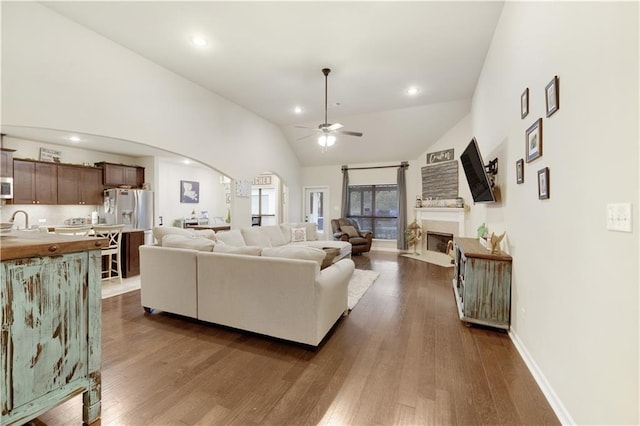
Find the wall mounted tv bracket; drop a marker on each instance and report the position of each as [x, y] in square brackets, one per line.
[492, 170]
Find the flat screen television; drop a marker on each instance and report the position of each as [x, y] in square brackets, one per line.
[479, 183]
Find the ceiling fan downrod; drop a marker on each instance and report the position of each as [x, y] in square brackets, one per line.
[326, 72]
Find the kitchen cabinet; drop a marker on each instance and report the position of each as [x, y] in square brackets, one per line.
[116, 175]
[129, 253]
[6, 162]
[51, 333]
[35, 182]
[79, 185]
[482, 284]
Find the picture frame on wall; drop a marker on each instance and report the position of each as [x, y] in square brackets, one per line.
[520, 171]
[552, 96]
[533, 141]
[524, 103]
[543, 183]
[189, 191]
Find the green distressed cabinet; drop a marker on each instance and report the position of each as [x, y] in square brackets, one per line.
[482, 284]
[51, 334]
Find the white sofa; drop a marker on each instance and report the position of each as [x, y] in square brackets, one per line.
[281, 293]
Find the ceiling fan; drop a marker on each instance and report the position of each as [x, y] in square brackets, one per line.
[328, 131]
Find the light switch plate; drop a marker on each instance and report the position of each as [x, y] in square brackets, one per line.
[619, 217]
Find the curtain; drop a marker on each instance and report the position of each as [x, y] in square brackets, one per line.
[345, 192]
[402, 206]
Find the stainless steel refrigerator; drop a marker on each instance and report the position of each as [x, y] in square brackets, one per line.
[130, 207]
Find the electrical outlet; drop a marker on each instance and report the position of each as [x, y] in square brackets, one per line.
[619, 217]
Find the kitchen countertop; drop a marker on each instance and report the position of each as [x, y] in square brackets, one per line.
[23, 244]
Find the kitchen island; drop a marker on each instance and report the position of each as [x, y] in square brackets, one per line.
[51, 324]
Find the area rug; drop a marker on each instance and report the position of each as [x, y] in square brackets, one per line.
[360, 282]
[113, 287]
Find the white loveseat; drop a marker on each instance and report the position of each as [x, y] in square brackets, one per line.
[282, 292]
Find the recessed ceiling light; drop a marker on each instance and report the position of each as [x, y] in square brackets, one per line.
[298, 110]
[74, 139]
[412, 91]
[186, 161]
[198, 41]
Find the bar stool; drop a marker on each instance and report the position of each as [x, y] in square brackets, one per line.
[113, 234]
[73, 230]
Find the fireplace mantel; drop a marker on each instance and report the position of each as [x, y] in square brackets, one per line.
[443, 214]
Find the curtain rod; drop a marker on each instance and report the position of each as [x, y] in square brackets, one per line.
[403, 164]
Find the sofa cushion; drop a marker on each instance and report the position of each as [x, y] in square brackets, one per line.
[232, 237]
[160, 231]
[221, 247]
[275, 235]
[205, 233]
[296, 252]
[188, 242]
[350, 231]
[255, 236]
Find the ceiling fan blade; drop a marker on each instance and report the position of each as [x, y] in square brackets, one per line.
[347, 132]
[305, 127]
[335, 126]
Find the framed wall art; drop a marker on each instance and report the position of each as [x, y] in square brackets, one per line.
[543, 183]
[520, 171]
[189, 191]
[552, 96]
[533, 141]
[50, 155]
[524, 103]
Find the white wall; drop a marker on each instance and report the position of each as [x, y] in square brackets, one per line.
[575, 284]
[211, 197]
[59, 75]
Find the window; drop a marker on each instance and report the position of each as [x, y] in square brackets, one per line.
[375, 208]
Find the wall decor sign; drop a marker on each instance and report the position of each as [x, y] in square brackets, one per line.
[440, 156]
[189, 191]
[243, 188]
[50, 155]
[552, 96]
[543, 183]
[520, 171]
[524, 103]
[262, 180]
[534, 141]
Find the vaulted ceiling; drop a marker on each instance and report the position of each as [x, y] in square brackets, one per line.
[268, 56]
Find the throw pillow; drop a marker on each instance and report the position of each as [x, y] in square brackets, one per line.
[205, 233]
[226, 248]
[298, 234]
[232, 237]
[187, 242]
[350, 231]
[160, 231]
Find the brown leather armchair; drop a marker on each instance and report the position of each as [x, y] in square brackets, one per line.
[348, 230]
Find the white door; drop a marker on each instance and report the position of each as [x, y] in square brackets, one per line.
[316, 206]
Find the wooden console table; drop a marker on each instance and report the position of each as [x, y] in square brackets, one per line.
[482, 284]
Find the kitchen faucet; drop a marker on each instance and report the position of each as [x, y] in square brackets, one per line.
[26, 218]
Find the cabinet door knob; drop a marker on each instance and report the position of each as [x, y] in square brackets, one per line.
[53, 248]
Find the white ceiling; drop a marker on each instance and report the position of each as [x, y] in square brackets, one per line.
[268, 56]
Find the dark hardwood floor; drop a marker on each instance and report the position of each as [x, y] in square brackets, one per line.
[401, 357]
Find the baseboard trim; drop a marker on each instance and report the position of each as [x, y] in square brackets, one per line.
[556, 404]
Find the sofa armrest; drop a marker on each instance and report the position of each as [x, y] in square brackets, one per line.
[332, 293]
[341, 236]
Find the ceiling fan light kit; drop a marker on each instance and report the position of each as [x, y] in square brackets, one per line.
[328, 131]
